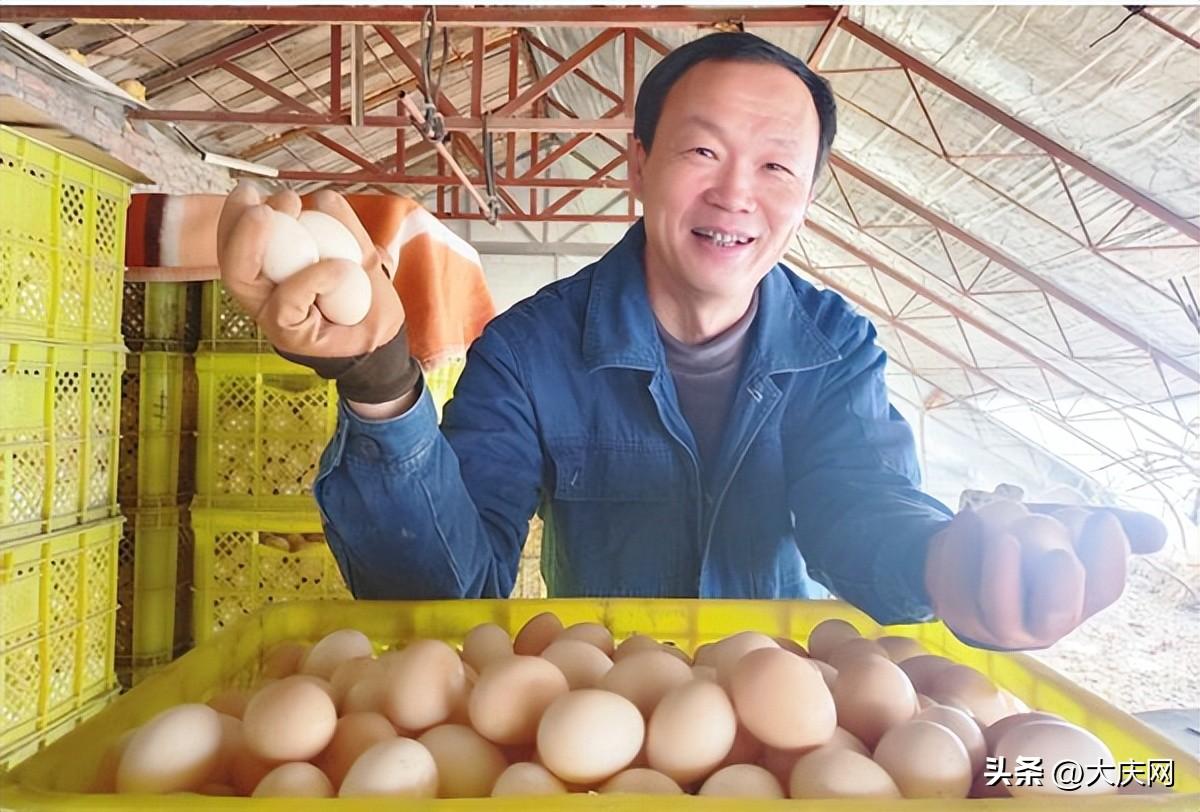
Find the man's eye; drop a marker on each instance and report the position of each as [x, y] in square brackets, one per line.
[705, 151]
[774, 167]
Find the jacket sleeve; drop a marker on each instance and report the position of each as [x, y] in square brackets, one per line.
[411, 511]
[862, 523]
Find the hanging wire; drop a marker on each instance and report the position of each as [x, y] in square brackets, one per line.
[435, 125]
[489, 173]
[1133, 12]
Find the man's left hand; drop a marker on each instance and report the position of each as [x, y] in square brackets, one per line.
[1000, 579]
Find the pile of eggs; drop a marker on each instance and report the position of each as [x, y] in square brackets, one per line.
[560, 710]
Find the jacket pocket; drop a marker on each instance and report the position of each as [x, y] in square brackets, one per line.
[596, 472]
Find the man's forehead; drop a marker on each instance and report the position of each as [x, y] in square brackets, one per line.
[701, 121]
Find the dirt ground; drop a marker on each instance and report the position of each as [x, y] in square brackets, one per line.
[1143, 652]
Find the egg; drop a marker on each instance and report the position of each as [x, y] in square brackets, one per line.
[332, 238]
[397, 767]
[537, 633]
[283, 660]
[104, 779]
[1053, 743]
[963, 726]
[780, 762]
[922, 669]
[835, 772]
[594, 633]
[1042, 533]
[926, 760]
[828, 635]
[527, 778]
[468, 765]
[582, 664]
[704, 672]
[485, 643]
[872, 695]
[589, 735]
[640, 781]
[231, 702]
[246, 769]
[297, 779]
[290, 248]
[963, 686]
[899, 649]
[232, 742]
[510, 697]
[354, 734]
[788, 644]
[634, 643]
[732, 649]
[645, 676]
[782, 700]
[706, 655]
[424, 684]
[854, 647]
[742, 781]
[289, 720]
[175, 751]
[351, 672]
[993, 732]
[746, 749]
[334, 649]
[350, 299]
[366, 694]
[691, 730]
[827, 671]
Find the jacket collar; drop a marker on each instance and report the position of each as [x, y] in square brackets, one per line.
[619, 328]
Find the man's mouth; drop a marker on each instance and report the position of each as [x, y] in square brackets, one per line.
[722, 239]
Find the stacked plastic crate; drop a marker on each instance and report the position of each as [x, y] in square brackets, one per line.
[62, 228]
[160, 323]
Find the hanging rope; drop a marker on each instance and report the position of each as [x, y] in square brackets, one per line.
[435, 125]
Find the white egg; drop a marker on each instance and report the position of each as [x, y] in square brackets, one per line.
[289, 249]
[350, 301]
[334, 240]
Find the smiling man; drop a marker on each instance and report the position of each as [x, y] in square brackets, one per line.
[690, 417]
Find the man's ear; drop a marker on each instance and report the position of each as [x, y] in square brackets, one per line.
[637, 164]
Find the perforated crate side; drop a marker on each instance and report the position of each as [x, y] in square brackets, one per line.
[158, 316]
[224, 326]
[237, 571]
[155, 453]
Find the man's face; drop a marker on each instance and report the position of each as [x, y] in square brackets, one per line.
[733, 156]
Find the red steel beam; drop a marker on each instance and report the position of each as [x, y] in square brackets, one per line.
[210, 60]
[1002, 259]
[335, 68]
[534, 42]
[1170, 29]
[515, 124]
[543, 85]
[266, 88]
[452, 16]
[376, 175]
[1052, 147]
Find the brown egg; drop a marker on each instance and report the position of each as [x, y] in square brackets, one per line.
[354, 735]
[828, 635]
[780, 762]
[834, 772]
[1053, 743]
[593, 633]
[232, 742]
[334, 649]
[289, 720]
[782, 699]
[746, 749]
[349, 673]
[175, 751]
[366, 695]
[582, 664]
[1001, 512]
[963, 726]
[231, 702]
[536, 634]
[854, 647]
[527, 778]
[993, 732]
[788, 644]
[324, 684]
[296, 779]
[485, 643]
[872, 695]
[246, 769]
[985, 786]
[926, 760]
[510, 697]
[704, 672]
[468, 765]
[1042, 532]
[589, 735]
[395, 767]
[644, 677]
[706, 655]
[742, 781]
[732, 649]
[677, 653]
[640, 781]
[104, 780]
[425, 683]
[283, 660]
[922, 669]
[634, 643]
[691, 730]
[963, 686]
[827, 671]
[924, 702]
[899, 648]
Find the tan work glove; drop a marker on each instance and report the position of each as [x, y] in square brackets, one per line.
[370, 360]
[1002, 580]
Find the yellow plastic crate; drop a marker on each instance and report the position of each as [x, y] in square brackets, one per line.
[154, 590]
[224, 326]
[161, 316]
[158, 451]
[263, 423]
[62, 244]
[58, 599]
[59, 436]
[54, 779]
[236, 574]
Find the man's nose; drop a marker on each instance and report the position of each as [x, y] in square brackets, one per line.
[732, 189]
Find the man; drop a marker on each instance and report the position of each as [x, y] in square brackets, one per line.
[692, 418]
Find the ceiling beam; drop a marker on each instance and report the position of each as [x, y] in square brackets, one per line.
[516, 124]
[156, 82]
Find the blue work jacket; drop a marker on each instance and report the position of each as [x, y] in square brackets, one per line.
[566, 405]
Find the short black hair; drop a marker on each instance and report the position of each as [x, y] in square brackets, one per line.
[730, 47]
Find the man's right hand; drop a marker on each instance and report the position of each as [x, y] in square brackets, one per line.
[370, 360]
